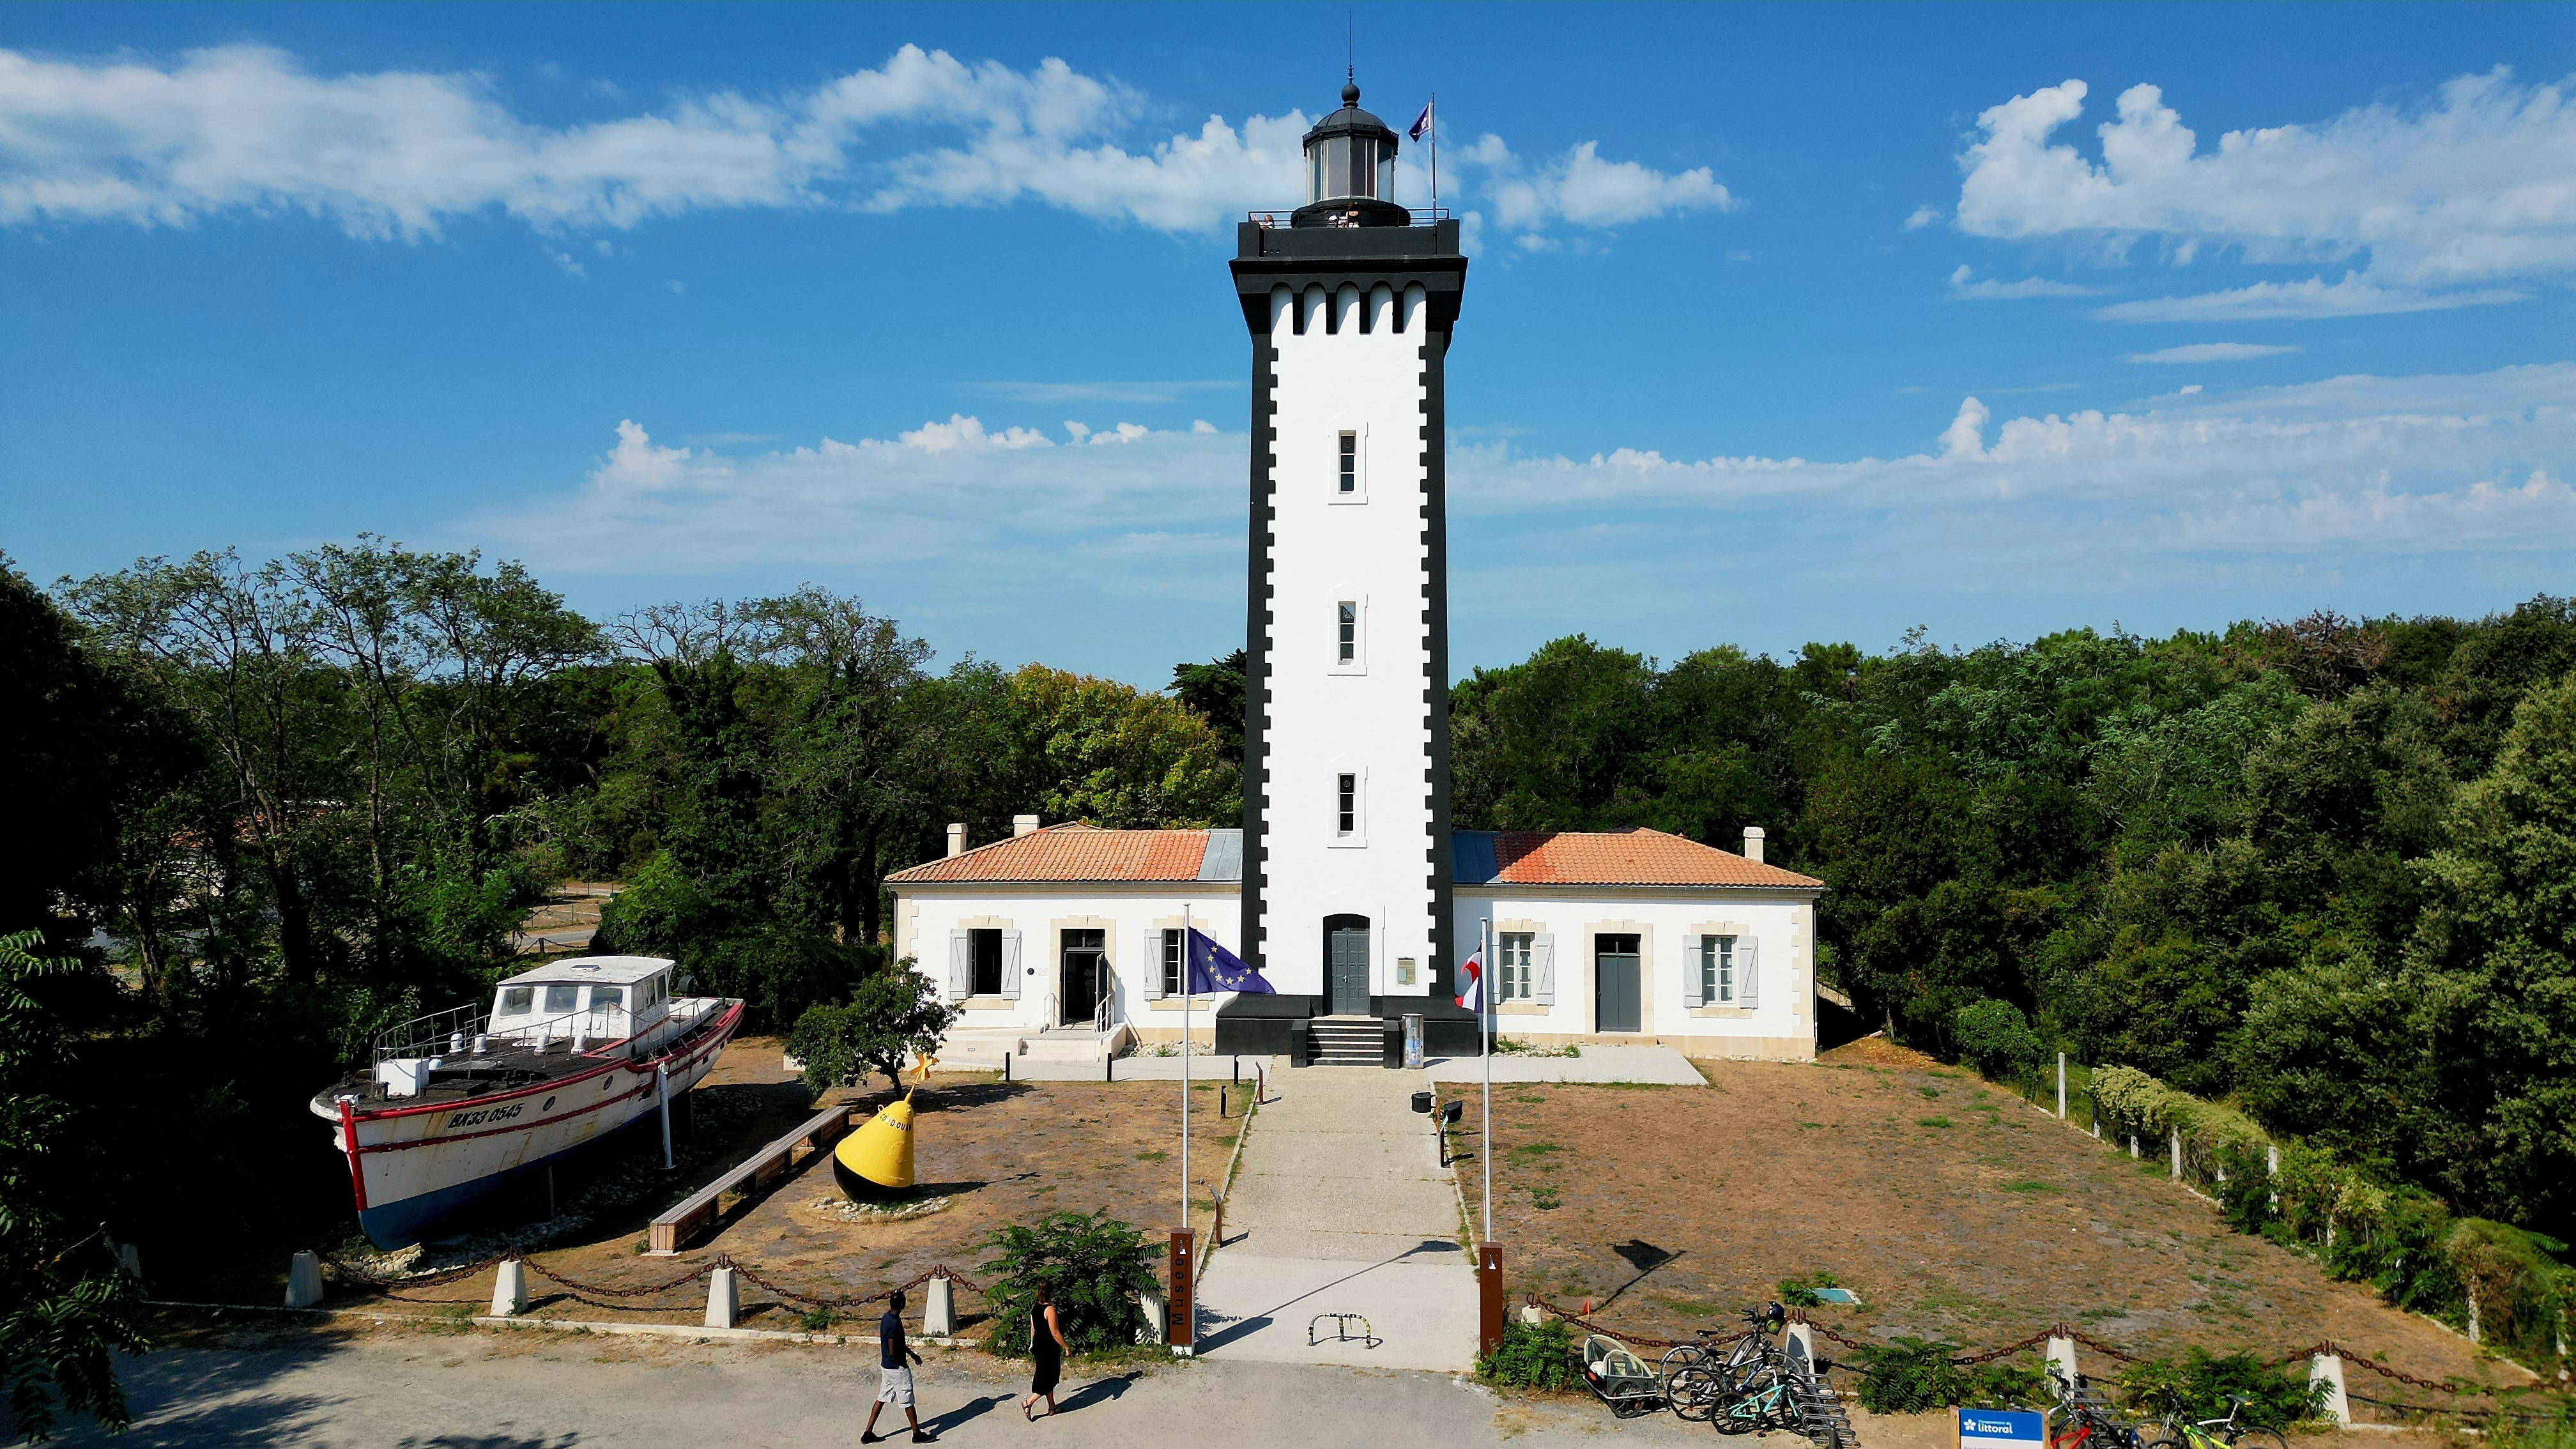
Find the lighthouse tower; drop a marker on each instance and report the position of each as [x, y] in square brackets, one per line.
[1346, 861]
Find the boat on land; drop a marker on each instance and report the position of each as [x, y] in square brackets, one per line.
[461, 1103]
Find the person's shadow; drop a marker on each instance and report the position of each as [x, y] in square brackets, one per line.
[964, 1413]
[1098, 1391]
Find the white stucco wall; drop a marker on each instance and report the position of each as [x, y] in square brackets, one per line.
[1780, 1026]
[924, 917]
[1368, 717]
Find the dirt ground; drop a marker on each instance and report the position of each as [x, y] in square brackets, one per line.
[1955, 1209]
[987, 1154]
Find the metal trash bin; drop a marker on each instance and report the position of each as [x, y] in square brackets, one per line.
[1413, 1041]
[1422, 1102]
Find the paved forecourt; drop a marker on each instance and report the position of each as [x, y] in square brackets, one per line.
[1661, 1065]
[1341, 1206]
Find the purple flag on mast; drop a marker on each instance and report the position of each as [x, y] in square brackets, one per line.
[1421, 123]
[1214, 968]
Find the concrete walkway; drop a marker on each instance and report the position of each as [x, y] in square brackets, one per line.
[1661, 1065]
[1341, 1206]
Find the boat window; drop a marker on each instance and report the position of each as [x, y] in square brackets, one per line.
[562, 998]
[515, 999]
[608, 998]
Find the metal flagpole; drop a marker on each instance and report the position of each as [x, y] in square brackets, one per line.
[1434, 109]
[1186, 952]
[1485, 1049]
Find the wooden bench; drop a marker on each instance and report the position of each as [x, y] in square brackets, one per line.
[674, 1230]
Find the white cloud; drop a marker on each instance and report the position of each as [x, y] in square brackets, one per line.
[2479, 185]
[2315, 297]
[1990, 290]
[247, 130]
[1923, 216]
[1578, 188]
[564, 260]
[2209, 352]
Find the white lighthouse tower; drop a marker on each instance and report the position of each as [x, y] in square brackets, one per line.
[1346, 869]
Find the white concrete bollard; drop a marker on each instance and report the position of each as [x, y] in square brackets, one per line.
[304, 1281]
[2133, 1144]
[939, 1309]
[1158, 1318]
[1802, 1344]
[1533, 1315]
[130, 1259]
[510, 1289]
[2474, 1335]
[2175, 1133]
[2061, 1358]
[724, 1299]
[2335, 1409]
[2272, 1171]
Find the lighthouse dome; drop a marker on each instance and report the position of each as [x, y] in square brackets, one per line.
[1350, 169]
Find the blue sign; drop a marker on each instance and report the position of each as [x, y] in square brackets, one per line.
[2001, 1429]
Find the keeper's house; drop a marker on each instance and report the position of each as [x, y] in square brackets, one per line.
[1347, 888]
[1071, 935]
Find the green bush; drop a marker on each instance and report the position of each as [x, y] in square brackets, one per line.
[1995, 1038]
[1094, 1264]
[2198, 1385]
[1532, 1356]
[1912, 1375]
[894, 1013]
[1801, 1292]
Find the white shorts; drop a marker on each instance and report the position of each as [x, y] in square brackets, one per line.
[894, 1386]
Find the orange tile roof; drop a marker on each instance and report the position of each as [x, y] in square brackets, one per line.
[1071, 852]
[1634, 856]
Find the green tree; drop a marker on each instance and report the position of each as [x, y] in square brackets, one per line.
[1214, 692]
[65, 1303]
[1097, 750]
[894, 1014]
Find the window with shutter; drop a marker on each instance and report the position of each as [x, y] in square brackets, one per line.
[1012, 974]
[1747, 958]
[1156, 969]
[1694, 971]
[960, 965]
[1543, 967]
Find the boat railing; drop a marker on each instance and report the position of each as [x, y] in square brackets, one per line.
[431, 1035]
[455, 1031]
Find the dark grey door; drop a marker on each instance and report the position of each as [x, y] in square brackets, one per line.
[1615, 984]
[1346, 965]
[1084, 968]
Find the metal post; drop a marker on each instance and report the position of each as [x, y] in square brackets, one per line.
[662, 1086]
[1186, 944]
[2061, 1086]
[1485, 1049]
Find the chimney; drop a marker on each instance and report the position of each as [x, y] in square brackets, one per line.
[1753, 843]
[1023, 825]
[957, 837]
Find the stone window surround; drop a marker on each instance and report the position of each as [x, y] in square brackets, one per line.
[996, 923]
[1203, 1001]
[1738, 930]
[1523, 1008]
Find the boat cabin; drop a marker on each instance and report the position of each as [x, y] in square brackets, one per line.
[594, 999]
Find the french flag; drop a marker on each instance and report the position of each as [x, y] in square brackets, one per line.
[1473, 998]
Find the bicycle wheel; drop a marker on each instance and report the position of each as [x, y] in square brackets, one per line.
[1684, 1356]
[2257, 1439]
[1694, 1392]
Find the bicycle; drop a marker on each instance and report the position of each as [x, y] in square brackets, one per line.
[2087, 1418]
[2224, 1433]
[1698, 1377]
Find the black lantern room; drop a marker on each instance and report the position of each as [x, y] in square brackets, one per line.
[1350, 170]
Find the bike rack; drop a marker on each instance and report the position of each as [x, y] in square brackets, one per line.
[1342, 1330]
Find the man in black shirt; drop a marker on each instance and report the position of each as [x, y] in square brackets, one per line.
[894, 1375]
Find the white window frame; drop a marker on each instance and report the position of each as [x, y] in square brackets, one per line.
[1357, 836]
[1334, 663]
[1358, 433]
[1716, 968]
[1516, 956]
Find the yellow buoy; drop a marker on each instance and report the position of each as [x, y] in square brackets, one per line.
[876, 1160]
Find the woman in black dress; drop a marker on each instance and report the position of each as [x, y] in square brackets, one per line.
[1047, 1346]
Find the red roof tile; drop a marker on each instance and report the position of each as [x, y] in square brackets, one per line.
[1071, 852]
[1635, 856]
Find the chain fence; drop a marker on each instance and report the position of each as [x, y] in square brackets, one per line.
[617, 1296]
[2076, 1335]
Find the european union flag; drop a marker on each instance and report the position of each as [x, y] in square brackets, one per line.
[1214, 968]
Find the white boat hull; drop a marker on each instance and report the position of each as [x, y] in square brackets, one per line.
[413, 1166]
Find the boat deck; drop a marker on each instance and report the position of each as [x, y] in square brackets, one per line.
[509, 1066]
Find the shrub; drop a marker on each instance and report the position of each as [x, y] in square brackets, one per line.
[1801, 1292]
[894, 1013]
[2198, 1386]
[1908, 1376]
[1094, 1264]
[1995, 1038]
[1532, 1356]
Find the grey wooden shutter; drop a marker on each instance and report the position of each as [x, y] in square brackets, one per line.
[961, 965]
[1747, 959]
[1010, 965]
[1152, 970]
[1543, 967]
[1690, 970]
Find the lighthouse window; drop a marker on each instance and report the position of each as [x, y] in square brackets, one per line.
[1346, 804]
[1350, 462]
[1347, 640]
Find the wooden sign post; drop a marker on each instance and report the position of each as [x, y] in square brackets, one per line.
[1184, 1302]
[1489, 1297]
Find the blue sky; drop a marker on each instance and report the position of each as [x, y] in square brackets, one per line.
[1784, 323]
